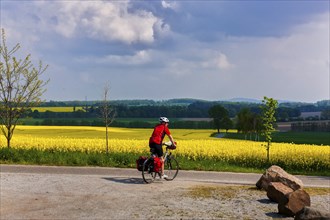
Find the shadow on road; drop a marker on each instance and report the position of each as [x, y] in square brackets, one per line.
[275, 215]
[125, 180]
[266, 201]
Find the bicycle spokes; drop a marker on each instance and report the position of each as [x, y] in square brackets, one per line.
[171, 168]
[148, 173]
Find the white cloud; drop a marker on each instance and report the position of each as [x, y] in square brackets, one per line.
[180, 68]
[121, 26]
[222, 62]
[139, 58]
[101, 20]
[217, 60]
[171, 5]
[162, 29]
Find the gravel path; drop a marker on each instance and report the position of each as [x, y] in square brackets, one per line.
[34, 192]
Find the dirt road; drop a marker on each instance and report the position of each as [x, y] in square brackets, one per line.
[36, 192]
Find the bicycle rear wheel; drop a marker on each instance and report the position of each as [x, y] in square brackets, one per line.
[171, 168]
[148, 173]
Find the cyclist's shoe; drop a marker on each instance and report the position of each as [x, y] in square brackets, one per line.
[164, 176]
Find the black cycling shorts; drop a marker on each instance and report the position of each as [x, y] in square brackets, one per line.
[156, 149]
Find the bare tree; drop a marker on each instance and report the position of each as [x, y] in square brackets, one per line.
[108, 114]
[20, 87]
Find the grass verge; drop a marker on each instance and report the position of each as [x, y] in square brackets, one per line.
[122, 160]
[221, 192]
[224, 192]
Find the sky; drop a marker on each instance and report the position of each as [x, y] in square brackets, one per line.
[211, 50]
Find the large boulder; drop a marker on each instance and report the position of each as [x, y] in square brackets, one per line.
[309, 213]
[294, 202]
[277, 190]
[277, 174]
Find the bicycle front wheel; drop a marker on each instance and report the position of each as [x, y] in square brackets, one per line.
[171, 168]
[148, 173]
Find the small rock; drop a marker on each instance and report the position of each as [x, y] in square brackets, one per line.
[309, 213]
[277, 190]
[294, 202]
[277, 174]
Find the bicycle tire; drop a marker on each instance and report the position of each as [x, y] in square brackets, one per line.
[171, 168]
[148, 173]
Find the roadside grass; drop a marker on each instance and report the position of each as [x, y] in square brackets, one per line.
[221, 192]
[213, 165]
[317, 191]
[57, 158]
[122, 160]
[224, 192]
[126, 160]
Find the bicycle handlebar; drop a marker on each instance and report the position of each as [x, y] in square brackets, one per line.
[169, 145]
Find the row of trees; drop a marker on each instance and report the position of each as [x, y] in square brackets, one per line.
[198, 109]
[249, 122]
[284, 110]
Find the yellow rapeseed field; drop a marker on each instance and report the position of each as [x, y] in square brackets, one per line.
[57, 109]
[198, 147]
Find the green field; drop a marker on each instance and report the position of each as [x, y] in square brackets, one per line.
[317, 138]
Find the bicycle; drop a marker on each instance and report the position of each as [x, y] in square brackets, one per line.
[171, 166]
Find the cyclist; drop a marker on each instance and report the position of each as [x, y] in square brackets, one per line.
[156, 140]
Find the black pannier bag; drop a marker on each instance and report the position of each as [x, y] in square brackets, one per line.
[139, 163]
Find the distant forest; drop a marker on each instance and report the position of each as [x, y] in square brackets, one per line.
[183, 113]
[178, 108]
